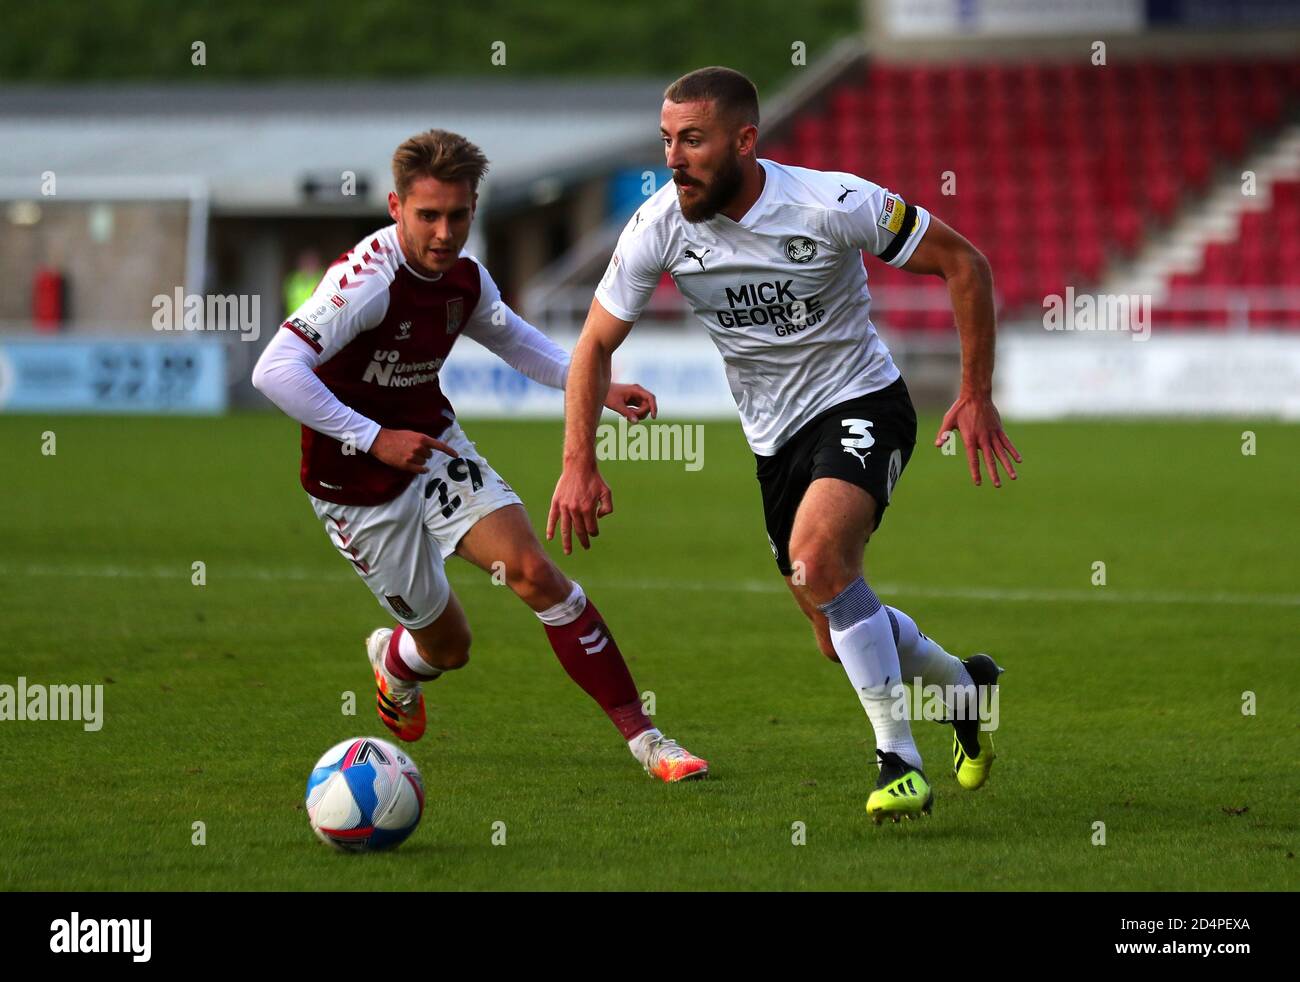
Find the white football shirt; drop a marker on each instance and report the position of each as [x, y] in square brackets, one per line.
[783, 292]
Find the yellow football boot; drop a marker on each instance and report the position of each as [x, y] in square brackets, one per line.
[901, 792]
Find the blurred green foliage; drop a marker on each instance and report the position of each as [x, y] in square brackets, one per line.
[150, 40]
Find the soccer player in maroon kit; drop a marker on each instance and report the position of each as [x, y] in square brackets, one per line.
[391, 475]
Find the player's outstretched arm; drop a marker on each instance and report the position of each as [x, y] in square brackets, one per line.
[942, 252]
[284, 374]
[581, 496]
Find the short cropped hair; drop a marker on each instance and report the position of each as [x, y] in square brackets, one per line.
[732, 93]
[439, 154]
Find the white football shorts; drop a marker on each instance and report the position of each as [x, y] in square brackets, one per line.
[399, 547]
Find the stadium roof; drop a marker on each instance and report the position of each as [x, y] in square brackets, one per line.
[253, 145]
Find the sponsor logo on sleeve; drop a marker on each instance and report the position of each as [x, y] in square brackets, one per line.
[891, 215]
[305, 329]
[323, 312]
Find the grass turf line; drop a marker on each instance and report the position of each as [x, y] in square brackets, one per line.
[223, 695]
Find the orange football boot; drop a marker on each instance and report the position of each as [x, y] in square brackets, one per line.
[671, 762]
[400, 703]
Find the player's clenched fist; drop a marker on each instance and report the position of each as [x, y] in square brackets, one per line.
[407, 450]
[581, 498]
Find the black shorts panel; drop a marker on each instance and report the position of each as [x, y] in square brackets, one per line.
[866, 441]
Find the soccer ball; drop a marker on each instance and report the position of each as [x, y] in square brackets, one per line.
[364, 795]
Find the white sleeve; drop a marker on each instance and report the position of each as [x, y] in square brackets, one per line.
[633, 272]
[511, 338]
[882, 224]
[332, 317]
[314, 333]
[284, 374]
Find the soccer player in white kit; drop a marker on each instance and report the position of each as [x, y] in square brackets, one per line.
[769, 258]
[393, 478]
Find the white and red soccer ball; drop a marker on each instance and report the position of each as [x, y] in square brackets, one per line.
[364, 795]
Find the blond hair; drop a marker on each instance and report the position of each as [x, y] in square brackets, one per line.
[439, 154]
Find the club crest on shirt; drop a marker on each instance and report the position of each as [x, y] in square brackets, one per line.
[801, 249]
[455, 314]
[403, 331]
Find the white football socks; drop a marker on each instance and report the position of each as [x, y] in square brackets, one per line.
[864, 641]
[412, 659]
[924, 658]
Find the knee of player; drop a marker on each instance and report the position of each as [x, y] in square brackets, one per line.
[820, 571]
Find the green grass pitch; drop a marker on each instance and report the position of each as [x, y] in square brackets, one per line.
[1122, 703]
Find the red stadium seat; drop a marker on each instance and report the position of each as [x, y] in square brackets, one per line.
[1062, 167]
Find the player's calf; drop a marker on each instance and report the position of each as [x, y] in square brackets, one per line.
[582, 642]
[443, 645]
[821, 630]
[535, 579]
[589, 654]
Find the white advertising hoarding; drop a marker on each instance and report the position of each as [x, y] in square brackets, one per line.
[1050, 375]
[684, 372]
[1009, 18]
